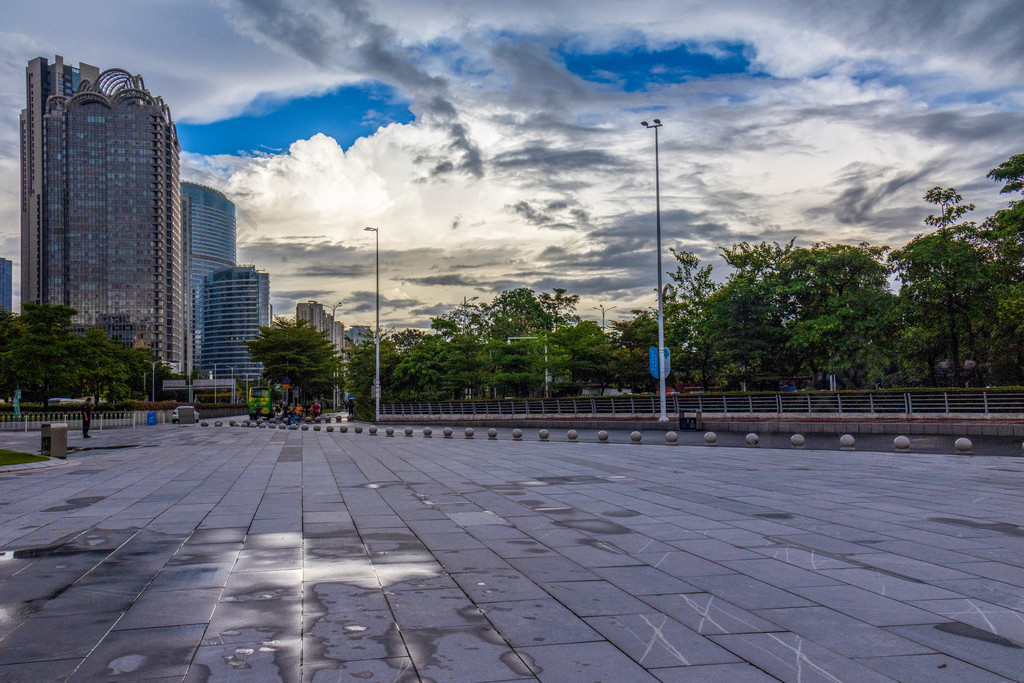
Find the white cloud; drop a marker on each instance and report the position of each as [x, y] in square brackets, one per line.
[517, 172]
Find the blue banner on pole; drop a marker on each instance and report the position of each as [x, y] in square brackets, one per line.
[151, 418]
[653, 362]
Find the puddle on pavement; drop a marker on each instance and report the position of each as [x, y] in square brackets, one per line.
[967, 631]
[72, 504]
[998, 527]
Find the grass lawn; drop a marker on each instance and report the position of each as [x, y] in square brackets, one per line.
[16, 458]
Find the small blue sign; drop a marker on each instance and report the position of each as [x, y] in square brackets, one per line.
[653, 361]
[151, 418]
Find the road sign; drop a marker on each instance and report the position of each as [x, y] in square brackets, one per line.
[286, 383]
[654, 362]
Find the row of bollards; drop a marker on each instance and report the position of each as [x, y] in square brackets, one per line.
[847, 442]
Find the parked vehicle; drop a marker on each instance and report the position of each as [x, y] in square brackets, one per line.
[174, 414]
[259, 403]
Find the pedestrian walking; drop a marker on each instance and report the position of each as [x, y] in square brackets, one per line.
[86, 417]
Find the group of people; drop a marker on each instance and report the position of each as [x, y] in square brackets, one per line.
[294, 414]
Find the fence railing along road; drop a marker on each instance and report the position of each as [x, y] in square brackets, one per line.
[809, 403]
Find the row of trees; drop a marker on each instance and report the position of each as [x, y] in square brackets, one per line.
[785, 314]
[41, 354]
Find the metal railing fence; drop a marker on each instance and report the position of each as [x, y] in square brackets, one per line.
[980, 402]
[33, 421]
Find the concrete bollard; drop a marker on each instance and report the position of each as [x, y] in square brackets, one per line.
[963, 446]
[469, 432]
[572, 435]
[427, 431]
[517, 434]
[204, 424]
[901, 444]
[389, 431]
[330, 428]
[358, 429]
[492, 434]
[543, 434]
[316, 427]
[305, 428]
[447, 431]
[372, 430]
[262, 426]
[602, 436]
[234, 423]
[846, 442]
[290, 427]
[636, 437]
[408, 431]
[752, 440]
[710, 439]
[343, 429]
[797, 441]
[218, 423]
[671, 438]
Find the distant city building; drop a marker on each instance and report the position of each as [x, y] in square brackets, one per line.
[338, 337]
[101, 226]
[6, 284]
[236, 303]
[209, 227]
[358, 333]
[313, 312]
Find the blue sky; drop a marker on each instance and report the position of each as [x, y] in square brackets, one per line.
[511, 152]
[272, 124]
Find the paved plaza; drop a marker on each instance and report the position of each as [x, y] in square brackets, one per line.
[191, 553]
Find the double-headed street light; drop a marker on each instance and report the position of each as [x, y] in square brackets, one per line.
[661, 317]
[376, 336]
[603, 309]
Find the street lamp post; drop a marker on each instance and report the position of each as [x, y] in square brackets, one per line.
[661, 316]
[152, 394]
[603, 309]
[339, 345]
[465, 305]
[376, 336]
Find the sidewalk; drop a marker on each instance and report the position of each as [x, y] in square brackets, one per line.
[190, 553]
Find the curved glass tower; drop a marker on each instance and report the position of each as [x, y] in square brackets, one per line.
[209, 219]
[101, 209]
[236, 303]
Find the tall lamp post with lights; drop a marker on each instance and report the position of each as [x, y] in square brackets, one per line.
[339, 346]
[661, 316]
[376, 336]
[604, 309]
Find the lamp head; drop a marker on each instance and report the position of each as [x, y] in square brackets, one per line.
[370, 229]
[643, 123]
[657, 121]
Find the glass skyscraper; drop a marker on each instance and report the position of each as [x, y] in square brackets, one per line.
[209, 219]
[101, 209]
[236, 303]
[6, 284]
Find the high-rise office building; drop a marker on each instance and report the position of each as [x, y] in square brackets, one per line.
[209, 225]
[313, 312]
[6, 284]
[236, 303]
[100, 205]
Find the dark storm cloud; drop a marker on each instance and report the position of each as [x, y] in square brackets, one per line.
[363, 301]
[336, 270]
[342, 34]
[549, 160]
[864, 194]
[565, 214]
[447, 280]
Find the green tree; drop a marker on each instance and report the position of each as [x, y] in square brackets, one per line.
[45, 357]
[580, 356]
[688, 326]
[749, 315]
[633, 339]
[945, 298]
[841, 309]
[1004, 233]
[295, 350]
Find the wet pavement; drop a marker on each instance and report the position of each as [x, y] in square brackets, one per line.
[190, 553]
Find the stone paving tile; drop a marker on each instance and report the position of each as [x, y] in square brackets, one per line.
[583, 662]
[655, 640]
[928, 669]
[840, 633]
[538, 622]
[339, 556]
[973, 645]
[707, 614]
[789, 657]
